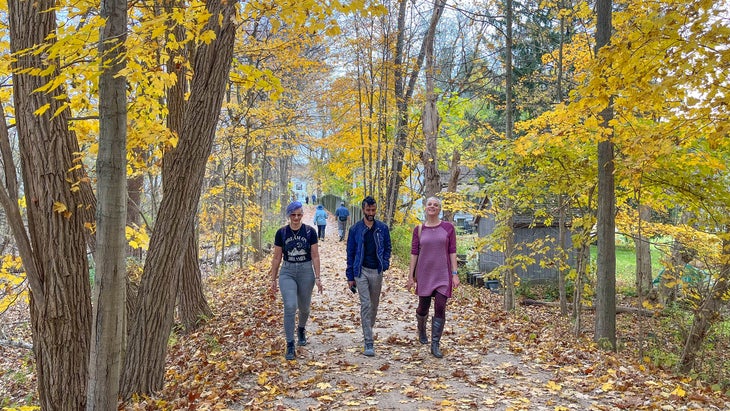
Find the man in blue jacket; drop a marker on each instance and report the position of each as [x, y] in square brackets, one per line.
[368, 255]
[342, 214]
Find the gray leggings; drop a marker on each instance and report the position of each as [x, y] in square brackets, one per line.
[296, 282]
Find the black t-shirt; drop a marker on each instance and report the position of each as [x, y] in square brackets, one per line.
[296, 245]
[370, 251]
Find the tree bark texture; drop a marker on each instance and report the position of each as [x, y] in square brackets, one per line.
[562, 240]
[678, 257]
[605, 326]
[192, 303]
[192, 307]
[454, 173]
[510, 276]
[403, 95]
[152, 323]
[109, 326]
[643, 254]
[430, 119]
[60, 291]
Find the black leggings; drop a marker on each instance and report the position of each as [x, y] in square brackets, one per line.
[320, 231]
[439, 308]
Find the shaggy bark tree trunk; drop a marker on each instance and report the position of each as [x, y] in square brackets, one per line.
[192, 305]
[193, 308]
[59, 275]
[145, 362]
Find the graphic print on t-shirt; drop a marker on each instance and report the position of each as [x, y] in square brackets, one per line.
[296, 248]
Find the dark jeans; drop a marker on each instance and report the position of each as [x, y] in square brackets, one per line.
[320, 231]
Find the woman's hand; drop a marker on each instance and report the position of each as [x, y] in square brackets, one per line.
[456, 281]
[410, 283]
[274, 287]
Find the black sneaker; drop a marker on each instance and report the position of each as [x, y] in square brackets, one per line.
[302, 337]
[290, 352]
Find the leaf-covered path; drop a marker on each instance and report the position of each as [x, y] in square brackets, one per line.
[493, 360]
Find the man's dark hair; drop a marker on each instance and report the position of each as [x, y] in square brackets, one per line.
[368, 201]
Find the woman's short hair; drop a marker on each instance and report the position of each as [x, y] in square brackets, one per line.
[293, 206]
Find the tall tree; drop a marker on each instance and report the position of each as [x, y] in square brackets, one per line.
[605, 325]
[430, 117]
[509, 273]
[404, 86]
[109, 325]
[153, 317]
[58, 268]
[192, 303]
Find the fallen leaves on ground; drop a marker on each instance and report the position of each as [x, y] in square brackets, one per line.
[526, 360]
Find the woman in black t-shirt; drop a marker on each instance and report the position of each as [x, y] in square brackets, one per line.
[296, 245]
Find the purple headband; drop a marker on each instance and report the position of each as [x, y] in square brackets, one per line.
[295, 205]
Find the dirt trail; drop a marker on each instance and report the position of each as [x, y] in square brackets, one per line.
[476, 372]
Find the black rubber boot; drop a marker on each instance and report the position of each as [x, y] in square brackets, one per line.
[290, 352]
[421, 321]
[437, 328]
[302, 337]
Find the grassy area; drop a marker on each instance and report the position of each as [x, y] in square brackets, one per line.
[626, 264]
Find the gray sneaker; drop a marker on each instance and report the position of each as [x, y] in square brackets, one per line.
[369, 350]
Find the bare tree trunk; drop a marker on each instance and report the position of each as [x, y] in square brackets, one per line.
[193, 307]
[134, 201]
[145, 362]
[562, 239]
[668, 284]
[403, 95]
[284, 163]
[605, 326]
[643, 254]
[509, 275]
[430, 116]
[58, 267]
[109, 294]
[453, 181]
[584, 256]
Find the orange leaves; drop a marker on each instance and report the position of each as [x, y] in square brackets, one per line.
[494, 360]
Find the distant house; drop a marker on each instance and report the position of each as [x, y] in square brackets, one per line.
[527, 229]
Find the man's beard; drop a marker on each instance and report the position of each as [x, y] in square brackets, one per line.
[370, 217]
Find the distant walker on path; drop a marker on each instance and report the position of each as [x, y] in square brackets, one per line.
[320, 220]
[343, 215]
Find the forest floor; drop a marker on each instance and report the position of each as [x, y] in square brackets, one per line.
[493, 360]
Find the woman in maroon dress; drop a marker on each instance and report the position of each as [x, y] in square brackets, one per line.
[433, 271]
